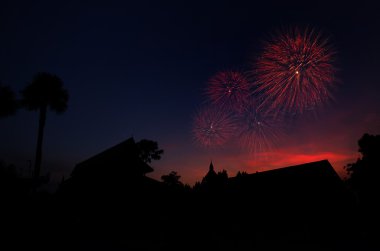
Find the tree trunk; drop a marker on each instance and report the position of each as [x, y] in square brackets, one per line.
[41, 126]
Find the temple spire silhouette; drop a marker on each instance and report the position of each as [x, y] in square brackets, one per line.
[210, 176]
[211, 172]
[211, 168]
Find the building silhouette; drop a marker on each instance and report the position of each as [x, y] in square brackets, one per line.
[294, 207]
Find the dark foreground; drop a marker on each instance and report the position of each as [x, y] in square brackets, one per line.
[266, 211]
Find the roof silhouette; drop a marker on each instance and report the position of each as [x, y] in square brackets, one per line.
[116, 172]
[314, 184]
[317, 169]
[121, 159]
[304, 175]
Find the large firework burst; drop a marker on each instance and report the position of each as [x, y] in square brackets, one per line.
[258, 130]
[295, 71]
[212, 127]
[229, 90]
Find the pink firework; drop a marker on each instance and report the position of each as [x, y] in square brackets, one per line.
[259, 131]
[212, 127]
[295, 71]
[229, 90]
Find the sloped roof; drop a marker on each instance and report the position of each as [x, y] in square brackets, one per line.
[302, 202]
[310, 180]
[310, 171]
[122, 158]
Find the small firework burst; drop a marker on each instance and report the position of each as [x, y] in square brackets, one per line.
[259, 130]
[212, 127]
[229, 90]
[295, 72]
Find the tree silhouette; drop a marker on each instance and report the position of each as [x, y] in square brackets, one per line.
[367, 166]
[172, 179]
[364, 173]
[241, 175]
[8, 103]
[45, 91]
[223, 175]
[364, 181]
[148, 150]
[197, 186]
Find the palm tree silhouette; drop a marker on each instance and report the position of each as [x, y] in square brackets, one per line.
[8, 103]
[46, 90]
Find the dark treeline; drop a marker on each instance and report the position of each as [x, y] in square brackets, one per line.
[108, 203]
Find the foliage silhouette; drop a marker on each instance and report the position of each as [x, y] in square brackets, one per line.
[8, 102]
[364, 180]
[148, 150]
[241, 174]
[365, 172]
[223, 175]
[197, 186]
[172, 179]
[45, 91]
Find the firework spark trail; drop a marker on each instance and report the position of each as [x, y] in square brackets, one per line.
[295, 71]
[212, 127]
[229, 90]
[259, 130]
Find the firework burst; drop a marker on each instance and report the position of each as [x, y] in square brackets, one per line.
[212, 127]
[259, 130]
[229, 90]
[295, 71]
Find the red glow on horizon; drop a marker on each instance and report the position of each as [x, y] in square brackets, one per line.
[274, 160]
[194, 171]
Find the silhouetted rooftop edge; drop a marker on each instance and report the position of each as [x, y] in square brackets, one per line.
[314, 170]
[314, 164]
[122, 155]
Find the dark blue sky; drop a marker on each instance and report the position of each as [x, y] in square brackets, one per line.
[139, 69]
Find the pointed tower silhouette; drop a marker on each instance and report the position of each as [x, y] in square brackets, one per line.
[211, 175]
[211, 168]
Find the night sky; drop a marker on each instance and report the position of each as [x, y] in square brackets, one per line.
[140, 69]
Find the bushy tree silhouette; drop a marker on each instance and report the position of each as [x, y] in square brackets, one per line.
[172, 179]
[148, 150]
[45, 91]
[363, 178]
[241, 174]
[365, 172]
[8, 103]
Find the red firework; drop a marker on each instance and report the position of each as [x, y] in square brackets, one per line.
[229, 90]
[212, 127]
[295, 71]
[259, 130]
